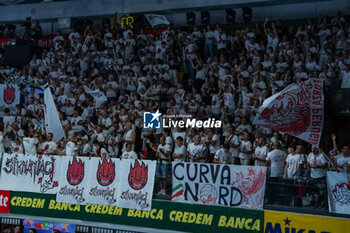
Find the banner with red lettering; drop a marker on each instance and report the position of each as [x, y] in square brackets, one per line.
[135, 186]
[103, 177]
[297, 110]
[219, 184]
[74, 180]
[30, 173]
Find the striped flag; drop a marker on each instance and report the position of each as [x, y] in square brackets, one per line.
[177, 191]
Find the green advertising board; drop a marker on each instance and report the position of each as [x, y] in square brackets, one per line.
[164, 214]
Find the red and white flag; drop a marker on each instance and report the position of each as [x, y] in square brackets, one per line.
[297, 110]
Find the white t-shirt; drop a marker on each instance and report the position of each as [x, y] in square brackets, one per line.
[293, 163]
[247, 146]
[129, 155]
[48, 147]
[182, 151]
[316, 160]
[214, 148]
[221, 39]
[277, 158]
[261, 153]
[223, 156]
[165, 148]
[209, 34]
[76, 124]
[196, 151]
[29, 145]
[342, 162]
[70, 149]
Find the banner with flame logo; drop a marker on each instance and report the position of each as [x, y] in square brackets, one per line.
[219, 184]
[30, 173]
[297, 110]
[135, 189]
[338, 192]
[103, 178]
[74, 180]
[9, 96]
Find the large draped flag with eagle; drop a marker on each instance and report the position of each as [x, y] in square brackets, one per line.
[297, 110]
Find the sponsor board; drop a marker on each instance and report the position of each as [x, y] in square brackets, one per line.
[284, 222]
[4, 202]
[163, 215]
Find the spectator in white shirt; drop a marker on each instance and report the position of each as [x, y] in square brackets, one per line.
[71, 147]
[179, 154]
[260, 152]
[276, 159]
[128, 153]
[223, 155]
[163, 166]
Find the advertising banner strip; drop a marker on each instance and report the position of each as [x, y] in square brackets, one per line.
[219, 184]
[163, 215]
[284, 222]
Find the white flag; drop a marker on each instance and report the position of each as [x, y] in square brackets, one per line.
[52, 120]
[297, 110]
[338, 192]
[98, 95]
[156, 20]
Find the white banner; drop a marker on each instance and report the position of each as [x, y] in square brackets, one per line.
[135, 188]
[9, 96]
[218, 184]
[30, 173]
[99, 96]
[103, 178]
[156, 20]
[338, 192]
[74, 180]
[297, 110]
[52, 120]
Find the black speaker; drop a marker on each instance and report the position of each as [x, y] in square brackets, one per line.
[247, 14]
[205, 17]
[191, 18]
[230, 15]
[20, 55]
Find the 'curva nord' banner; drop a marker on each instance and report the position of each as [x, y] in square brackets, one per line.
[218, 184]
[297, 110]
[30, 173]
[135, 189]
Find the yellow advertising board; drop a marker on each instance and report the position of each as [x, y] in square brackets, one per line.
[285, 222]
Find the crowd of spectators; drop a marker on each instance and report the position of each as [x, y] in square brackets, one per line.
[211, 72]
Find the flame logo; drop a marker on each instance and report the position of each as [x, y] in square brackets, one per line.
[138, 175]
[75, 172]
[9, 94]
[105, 172]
